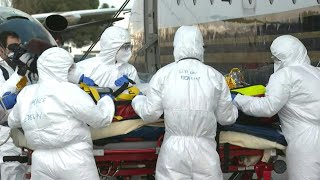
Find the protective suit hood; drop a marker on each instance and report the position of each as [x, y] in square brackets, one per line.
[188, 42]
[54, 63]
[111, 41]
[290, 51]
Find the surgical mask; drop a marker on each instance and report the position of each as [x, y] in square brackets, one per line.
[123, 55]
[277, 64]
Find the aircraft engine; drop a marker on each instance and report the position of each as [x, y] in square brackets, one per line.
[56, 23]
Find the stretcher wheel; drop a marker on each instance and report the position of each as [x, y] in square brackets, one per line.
[279, 166]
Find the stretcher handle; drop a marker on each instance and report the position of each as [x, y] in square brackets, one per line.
[21, 159]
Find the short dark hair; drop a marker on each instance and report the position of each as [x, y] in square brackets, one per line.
[4, 37]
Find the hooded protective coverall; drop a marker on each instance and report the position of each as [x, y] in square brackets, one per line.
[9, 170]
[193, 98]
[106, 68]
[54, 115]
[293, 93]
[9, 84]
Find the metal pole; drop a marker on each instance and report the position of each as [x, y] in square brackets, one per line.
[152, 54]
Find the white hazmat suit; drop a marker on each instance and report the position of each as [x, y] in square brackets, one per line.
[9, 84]
[109, 65]
[9, 170]
[54, 115]
[293, 93]
[193, 98]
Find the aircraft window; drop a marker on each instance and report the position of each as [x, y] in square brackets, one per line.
[16, 17]
[211, 1]
[230, 1]
[271, 1]
[31, 34]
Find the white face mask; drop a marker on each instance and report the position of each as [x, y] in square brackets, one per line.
[277, 64]
[123, 55]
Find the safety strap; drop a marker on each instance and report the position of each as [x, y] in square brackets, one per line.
[123, 88]
[5, 72]
[120, 90]
[132, 92]
[189, 58]
[91, 91]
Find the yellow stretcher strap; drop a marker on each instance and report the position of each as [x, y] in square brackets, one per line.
[133, 91]
[118, 118]
[90, 90]
[251, 90]
[22, 83]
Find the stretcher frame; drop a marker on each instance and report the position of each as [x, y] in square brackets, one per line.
[125, 163]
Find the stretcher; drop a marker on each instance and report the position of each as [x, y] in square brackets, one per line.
[122, 151]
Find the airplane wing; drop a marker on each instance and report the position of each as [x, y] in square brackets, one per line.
[74, 16]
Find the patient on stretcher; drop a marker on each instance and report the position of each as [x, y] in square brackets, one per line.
[128, 125]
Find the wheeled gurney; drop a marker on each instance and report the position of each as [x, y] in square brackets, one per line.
[125, 149]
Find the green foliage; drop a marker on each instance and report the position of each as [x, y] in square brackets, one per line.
[105, 5]
[80, 36]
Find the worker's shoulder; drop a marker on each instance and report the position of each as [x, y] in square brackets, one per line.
[167, 67]
[71, 89]
[28, 88]
[94, 61]
[212, 71]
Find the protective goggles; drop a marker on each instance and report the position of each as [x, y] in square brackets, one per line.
[275, 59]
[126, 46]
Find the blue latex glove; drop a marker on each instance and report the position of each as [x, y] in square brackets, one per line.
[233, 96]
[88, 81]
[121, 80]
[9, 100]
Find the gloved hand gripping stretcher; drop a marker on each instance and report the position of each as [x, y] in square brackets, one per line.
[123, 148]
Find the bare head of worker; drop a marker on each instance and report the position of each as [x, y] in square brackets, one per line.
[288, 50]
[115, 45]
[54, 64]
[7, 38]
[188, 43]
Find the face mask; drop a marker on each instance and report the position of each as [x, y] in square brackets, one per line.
[277, 64]
[123, 55]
